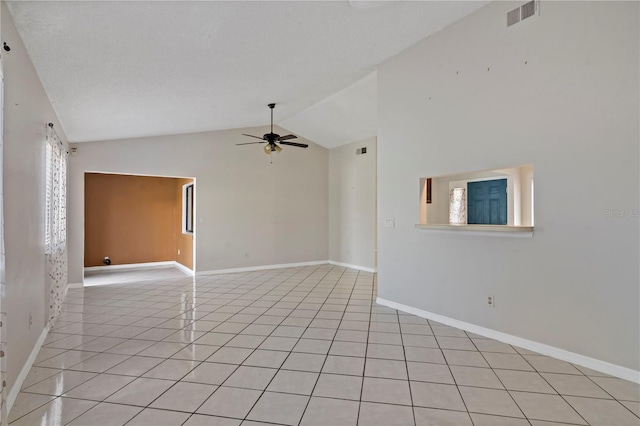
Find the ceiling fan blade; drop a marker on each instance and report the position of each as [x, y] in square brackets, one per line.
[287, 137]
[248, 143]
[299, 145]
[251, 136]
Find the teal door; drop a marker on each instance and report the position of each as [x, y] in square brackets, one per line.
[487, 202]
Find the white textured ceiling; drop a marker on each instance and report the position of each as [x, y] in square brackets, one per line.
[116, 69]
[347, 116]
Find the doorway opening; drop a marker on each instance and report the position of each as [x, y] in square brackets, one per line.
[135, 223]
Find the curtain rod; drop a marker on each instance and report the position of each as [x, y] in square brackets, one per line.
[54, 131]
[50, 125]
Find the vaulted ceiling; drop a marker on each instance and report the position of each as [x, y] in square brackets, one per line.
[121, 69]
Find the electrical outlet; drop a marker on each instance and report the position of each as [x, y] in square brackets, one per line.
[246, 254]
[491, 301]
[30, 320]
[389, 222]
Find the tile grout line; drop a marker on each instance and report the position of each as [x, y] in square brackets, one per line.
[406, 366]
[254, 349]
[366, 350]
[500, 380]
[331, 345]
[55, 397]
[552, 387]
[97, 374]
[237, 367]
[299, 338]
[608, 393]
[455, 382]
[264, 390]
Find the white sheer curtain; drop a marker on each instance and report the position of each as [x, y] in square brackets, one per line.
[3, 335]
[458, 206]
[56, 221]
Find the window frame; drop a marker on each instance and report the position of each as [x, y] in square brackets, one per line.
[188, 208]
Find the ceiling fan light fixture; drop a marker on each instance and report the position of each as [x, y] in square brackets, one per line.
[270, 149]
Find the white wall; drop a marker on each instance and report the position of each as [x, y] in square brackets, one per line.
[464, 99]
[249, 212]
[27, 110]
[352, 204]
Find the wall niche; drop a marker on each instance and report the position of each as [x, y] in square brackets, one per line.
[499, 197]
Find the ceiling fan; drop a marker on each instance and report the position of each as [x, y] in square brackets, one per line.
[271, 139]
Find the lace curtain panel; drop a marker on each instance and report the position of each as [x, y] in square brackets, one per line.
[56, 222]
[3, 334]
[458, 206]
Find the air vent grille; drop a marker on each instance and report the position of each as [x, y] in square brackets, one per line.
[527, 10]
[513, 17]
[523, 12]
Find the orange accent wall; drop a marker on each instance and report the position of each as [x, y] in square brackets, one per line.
[184, 242]
[132, 219]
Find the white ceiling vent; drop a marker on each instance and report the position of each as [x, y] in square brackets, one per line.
[528, 9]
[523, 12]
[513, 17]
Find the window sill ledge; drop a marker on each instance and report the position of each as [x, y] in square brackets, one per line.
[500, 230]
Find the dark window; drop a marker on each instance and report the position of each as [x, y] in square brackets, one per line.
[188, 208]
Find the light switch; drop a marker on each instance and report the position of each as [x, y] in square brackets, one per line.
[389, 222]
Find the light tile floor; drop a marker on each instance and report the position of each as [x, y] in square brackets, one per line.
[292, 346]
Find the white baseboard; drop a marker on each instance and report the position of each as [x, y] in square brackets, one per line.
[348, 265]
[148, 265]
[15, 389]
[260, 268]
[564, 355]
[183, 268]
